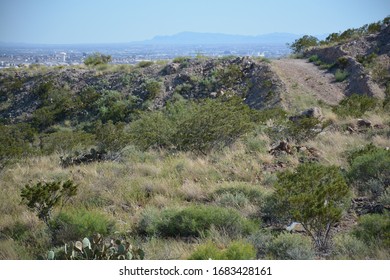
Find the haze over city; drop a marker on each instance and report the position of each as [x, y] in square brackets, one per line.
[120, 21]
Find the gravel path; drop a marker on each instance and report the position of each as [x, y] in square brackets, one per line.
[302, 77]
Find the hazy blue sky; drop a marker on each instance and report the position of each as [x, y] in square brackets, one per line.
[107, 21]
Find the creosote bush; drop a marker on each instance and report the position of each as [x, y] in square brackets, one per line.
[193, 126]
[194, 221]
[355, 105]
[374, 230]
[314, 195]
[369, 172]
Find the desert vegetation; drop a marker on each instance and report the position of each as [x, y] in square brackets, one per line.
[143, 163]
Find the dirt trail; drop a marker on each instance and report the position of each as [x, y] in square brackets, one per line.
[303, 78]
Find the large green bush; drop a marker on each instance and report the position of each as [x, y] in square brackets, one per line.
[369, 172]
[355, 105]
[97, 59]
[193, 126]
[66, 141]
[194, 221]
[115, 106]
[374, 230]
[111, 137]
[303, 43]
[314, 195]
[213, 124]
[15, 141]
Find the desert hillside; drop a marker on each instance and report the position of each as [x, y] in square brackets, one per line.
[198, 158]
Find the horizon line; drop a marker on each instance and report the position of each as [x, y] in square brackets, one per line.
[144, 40]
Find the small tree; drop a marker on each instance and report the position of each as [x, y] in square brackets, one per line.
[301, 44]
[314, 195]
[44, 196]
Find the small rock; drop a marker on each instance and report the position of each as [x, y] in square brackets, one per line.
[364, 123]
[314, 112]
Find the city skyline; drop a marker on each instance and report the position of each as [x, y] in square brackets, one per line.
[119, 21]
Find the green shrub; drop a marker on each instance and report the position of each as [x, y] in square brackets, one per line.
[181, 59]
[384, 199]
[111, 137]
[88, 98]
[115, 106]
[97, 59]
[72, 223]
[144, 64]
[230, 75]
[348, 247]
[303, 128]
[366, 150]
[370, 172]
[213, 125]
[153, 130]
[15, 141]
[314, 195]
[153, 88]
[261, 240]
[341, 75]
[66, 141]
[342, 62]
[291, 247]
[236, 250]
[237, 200]
[240, 250]
[207, 251]
[303, 43]
[374, 230]
[355, 105]
[194, 221]
[241, 190]
[276, 114]
[44, 117]
[43, 197]
[314, 58]
[190, 126]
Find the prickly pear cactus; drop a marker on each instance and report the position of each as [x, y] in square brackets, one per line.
[97, 248]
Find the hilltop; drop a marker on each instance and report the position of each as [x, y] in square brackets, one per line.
[198, 158]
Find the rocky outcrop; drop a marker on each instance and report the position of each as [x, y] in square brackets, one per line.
[346, 56]
[251, 79]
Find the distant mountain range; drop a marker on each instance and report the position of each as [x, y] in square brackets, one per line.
[189, 38]
[218, 38]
